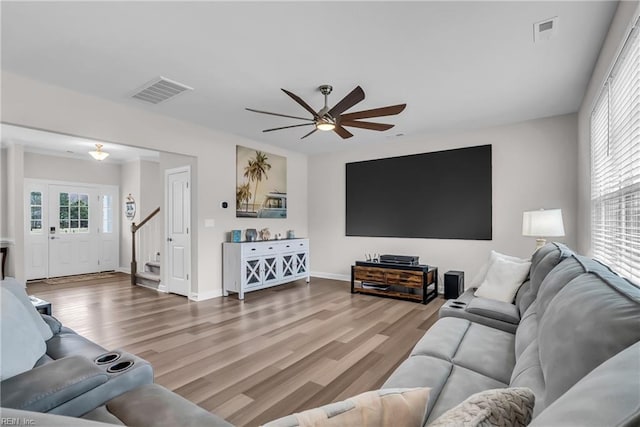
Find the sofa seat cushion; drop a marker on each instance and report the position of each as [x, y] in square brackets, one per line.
[486, 350]
[154, 405]
[68, 343]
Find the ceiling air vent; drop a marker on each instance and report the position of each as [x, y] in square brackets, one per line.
[545, 30]
[159, 90]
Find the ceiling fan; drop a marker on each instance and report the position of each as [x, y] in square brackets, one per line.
[332, 118]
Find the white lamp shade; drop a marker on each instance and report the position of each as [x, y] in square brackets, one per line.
[543, 223]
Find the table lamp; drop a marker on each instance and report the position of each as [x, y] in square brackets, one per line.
[542, 223]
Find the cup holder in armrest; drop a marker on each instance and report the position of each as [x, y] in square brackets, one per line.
[107, 358]
[457, 304]
[120, 366]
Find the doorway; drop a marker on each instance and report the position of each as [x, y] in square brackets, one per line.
[71, 228]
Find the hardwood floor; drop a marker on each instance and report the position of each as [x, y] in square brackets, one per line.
[282, 350]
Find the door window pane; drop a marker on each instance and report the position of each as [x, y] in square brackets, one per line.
[74, 213]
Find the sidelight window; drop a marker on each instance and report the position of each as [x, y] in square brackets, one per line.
[35, 208]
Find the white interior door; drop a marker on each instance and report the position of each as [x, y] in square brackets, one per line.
[178, 224]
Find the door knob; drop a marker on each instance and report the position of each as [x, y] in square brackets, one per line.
[169, 239]
[53, 238]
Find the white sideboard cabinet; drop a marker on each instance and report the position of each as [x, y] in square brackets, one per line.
[249, 266]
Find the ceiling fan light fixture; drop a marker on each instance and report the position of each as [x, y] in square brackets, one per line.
[325, 125]
[98, 154]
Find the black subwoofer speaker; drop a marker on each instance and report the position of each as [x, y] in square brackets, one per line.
[453, 284]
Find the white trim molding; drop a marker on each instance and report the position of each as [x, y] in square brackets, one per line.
[341, 277]
[195, 296]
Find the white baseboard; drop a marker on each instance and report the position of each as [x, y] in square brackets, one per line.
[123, 270]
[333, 276]
[205, 295]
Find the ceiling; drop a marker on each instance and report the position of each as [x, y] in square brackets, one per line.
[49, 143]
[457, 65]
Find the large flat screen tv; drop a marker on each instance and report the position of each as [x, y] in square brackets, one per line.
[438, 195]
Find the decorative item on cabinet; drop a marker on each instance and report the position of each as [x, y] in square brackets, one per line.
[265, 234]
[250, 234]
[291, 234]
[236, 235]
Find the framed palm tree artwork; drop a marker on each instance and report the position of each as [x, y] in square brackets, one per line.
[261, 184]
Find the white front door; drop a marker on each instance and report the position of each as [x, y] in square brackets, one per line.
[73, 215]
[178, 224]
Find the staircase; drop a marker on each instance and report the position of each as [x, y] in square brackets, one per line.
[150, 276]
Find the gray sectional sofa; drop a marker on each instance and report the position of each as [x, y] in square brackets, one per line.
[572, 336]
[578, 326]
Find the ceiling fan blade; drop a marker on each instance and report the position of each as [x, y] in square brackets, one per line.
[366, 125]
[314, 129]
[376, 112]
[279, 115]
[287, 127]
[342, 132]
[347, 102]
[302, 103]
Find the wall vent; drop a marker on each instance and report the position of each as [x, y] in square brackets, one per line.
[159, 90]
[545, 30]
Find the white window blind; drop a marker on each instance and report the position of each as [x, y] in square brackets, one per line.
[615, 165]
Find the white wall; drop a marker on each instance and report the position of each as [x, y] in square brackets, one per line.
[623, 20]
[31, 103]
[3, 193]
[40, 166]
[129, 184]
[15, 211]
[534, 166]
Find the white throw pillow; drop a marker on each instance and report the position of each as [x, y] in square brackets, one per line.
[21, 343]
[482, 273]
[503, 279]
[19, 291]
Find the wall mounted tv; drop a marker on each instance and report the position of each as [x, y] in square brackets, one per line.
[438, 195]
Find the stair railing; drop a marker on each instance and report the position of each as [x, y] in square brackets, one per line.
[134, 228]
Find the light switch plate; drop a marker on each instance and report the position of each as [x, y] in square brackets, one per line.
[209, 222]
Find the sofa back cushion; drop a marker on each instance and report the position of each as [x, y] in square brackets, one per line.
[542, 262]
[590, 319]
[21, 344]
[607, 396]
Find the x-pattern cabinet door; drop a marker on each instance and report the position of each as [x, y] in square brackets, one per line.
[288, 265]
[270, 269]
[301, 263]
[252, 272]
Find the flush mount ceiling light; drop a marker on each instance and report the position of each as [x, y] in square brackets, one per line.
[98, 154]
